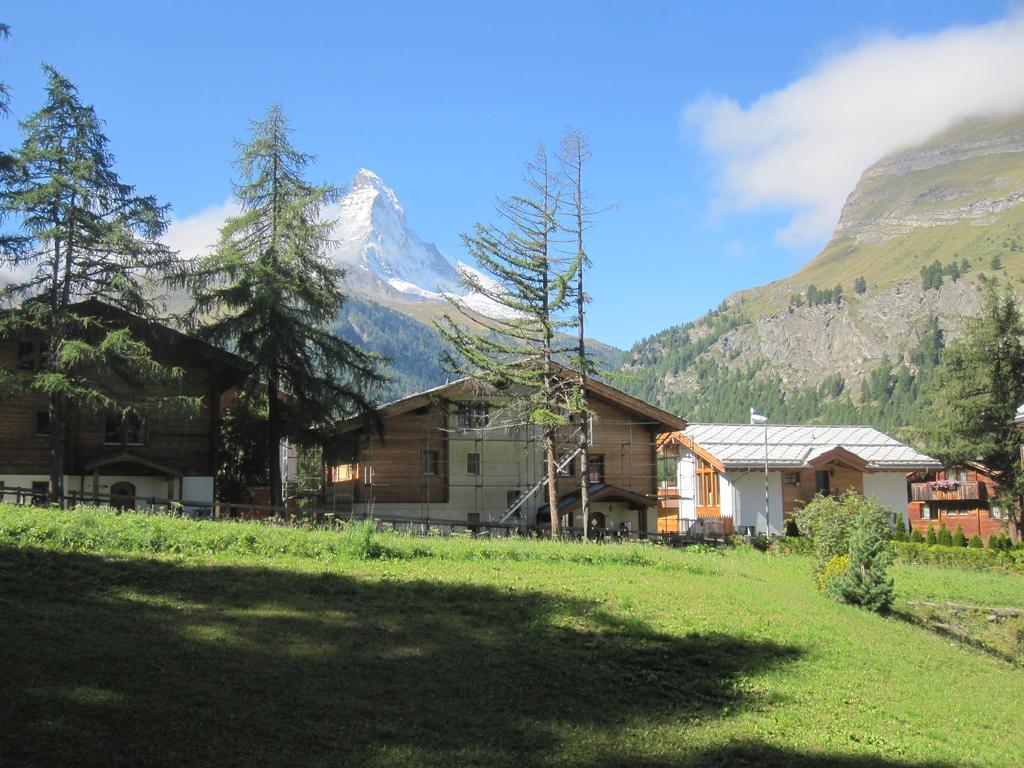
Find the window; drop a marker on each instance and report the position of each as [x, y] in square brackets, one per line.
[511, 497]
[822, 482]
[26, 356]
[40, 490]
[707, 484]
[472, 517]
[127, 429]
[42, 423]
[473, 415]
[569, 470]
[429, 462]
[595, 468]
[791, 479]
[134, 429]
[473, 463]
[927, 512]
[996, 512]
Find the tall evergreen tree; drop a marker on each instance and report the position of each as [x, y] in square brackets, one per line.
[269, 292]
[78, 232]
[5, 91]
[519, 345]
[982, 379]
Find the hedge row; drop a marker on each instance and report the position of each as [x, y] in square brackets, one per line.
[958, 557]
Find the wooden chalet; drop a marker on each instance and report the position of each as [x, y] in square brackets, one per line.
[459, 452]
[163, 453]
[964, 498]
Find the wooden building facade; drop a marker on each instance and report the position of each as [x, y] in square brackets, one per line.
[461, 452]
[164, 453]
[964, 498]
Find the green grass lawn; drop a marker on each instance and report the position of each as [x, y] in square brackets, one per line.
[133, 640]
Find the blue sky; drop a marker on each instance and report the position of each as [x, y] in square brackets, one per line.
[446, 100]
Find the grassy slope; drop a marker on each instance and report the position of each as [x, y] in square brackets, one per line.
[467, 653]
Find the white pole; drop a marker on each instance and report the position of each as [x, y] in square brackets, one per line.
[767, 516]
[757, 418]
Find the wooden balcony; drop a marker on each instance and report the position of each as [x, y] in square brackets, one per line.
[965, 491]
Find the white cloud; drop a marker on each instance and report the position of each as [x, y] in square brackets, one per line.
[194, 235]
[803, 147]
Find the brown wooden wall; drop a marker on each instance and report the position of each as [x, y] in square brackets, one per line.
[182, 440]
[841, 479]
[974, 517]
[622, 438]
[396, 459]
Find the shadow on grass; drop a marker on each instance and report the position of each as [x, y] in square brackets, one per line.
[147, 662]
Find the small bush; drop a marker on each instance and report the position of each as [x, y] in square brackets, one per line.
[792, 529]
[959, 540]
[931, 539]
[916, 537]
[976, 542]
[792, 545]
[944, 538]
[901, 528]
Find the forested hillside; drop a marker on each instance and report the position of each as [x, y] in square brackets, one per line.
[854, 336]
[414, 348]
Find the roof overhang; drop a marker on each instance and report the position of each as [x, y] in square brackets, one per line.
[667, 439]
[128, 458]
[659, 420]
[601, 492]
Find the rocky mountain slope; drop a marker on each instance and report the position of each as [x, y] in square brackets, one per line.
[813, 345]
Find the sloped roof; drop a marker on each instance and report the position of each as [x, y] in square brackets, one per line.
[790, 446]
[653, 415]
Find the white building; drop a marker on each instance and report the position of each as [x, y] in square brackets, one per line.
[720, 471]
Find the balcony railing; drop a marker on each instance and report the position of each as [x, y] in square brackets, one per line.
[946, 491]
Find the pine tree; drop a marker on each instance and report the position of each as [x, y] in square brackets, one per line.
[269, 292]
[976, 542]
[860, 285]
[959, 540]
[901, 528]
[982, 384]
[931, 539]
[535, 286]
[80, 232]
[866, 581]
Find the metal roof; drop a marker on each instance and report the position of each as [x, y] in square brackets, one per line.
[742, 445]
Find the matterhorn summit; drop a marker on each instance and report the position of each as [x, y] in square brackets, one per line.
[372, 234]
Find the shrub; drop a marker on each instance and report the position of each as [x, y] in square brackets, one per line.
[959, 540]
[916, 537]
[976, 542]
[931, 540]
[901, 528]
[826, 520]
[792, 529]
[953, 557]
[792, 545]
[834, 568]
[944, 538]
[866, 581]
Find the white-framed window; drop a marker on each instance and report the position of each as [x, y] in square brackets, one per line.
[474, 415]
[473, 463]
[124, 429]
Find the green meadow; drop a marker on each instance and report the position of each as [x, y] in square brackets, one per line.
[138, 640]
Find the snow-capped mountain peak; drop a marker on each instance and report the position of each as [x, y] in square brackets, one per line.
[372, 234]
